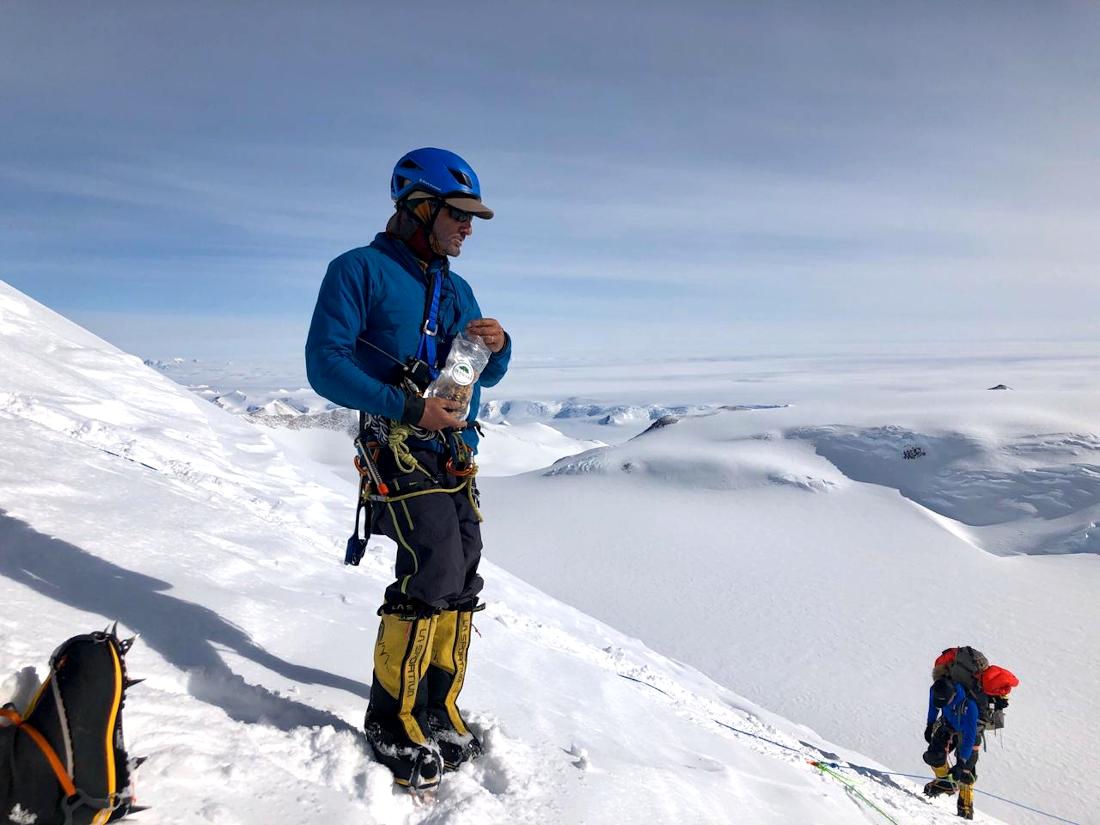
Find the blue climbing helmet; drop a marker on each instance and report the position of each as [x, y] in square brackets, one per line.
[442, 174]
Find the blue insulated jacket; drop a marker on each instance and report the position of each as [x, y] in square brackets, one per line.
[961, 714]
[379, 292]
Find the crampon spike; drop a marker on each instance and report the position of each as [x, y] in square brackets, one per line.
[136, 809]
[137, 761]
[129, 683]
[125, 645]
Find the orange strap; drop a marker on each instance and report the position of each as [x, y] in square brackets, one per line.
[44, 746]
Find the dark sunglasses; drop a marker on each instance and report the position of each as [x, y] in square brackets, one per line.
[458, 214]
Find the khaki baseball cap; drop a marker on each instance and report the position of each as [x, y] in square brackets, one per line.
[471, 205]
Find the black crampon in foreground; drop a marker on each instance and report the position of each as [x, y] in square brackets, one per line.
[62, 760]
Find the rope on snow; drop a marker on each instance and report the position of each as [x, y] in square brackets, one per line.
[821, 766]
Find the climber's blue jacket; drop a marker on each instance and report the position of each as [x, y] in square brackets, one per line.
[378, 293]
[961, 713]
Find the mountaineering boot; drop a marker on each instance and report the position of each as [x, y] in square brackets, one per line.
[942, 784]
[396, 723]
[446, 673]
[966, 801]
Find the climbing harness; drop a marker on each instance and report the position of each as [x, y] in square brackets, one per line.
[373, 490]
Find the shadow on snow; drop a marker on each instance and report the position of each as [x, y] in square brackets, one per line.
[183, 632]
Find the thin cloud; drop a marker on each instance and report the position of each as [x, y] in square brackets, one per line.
[789, 163]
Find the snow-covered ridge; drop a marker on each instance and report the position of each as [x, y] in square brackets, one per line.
[601, 413]
[242, 388]
[170, 364]
[275, 416]
[1020, 493]
[280, 405]
[700, 463]
[1014, 493]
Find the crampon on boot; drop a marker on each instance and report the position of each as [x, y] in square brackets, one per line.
[416, 767]
[63, 758]
[939, 787]
[446, 674]
[943, 783]
[396, 724]
[454, 747]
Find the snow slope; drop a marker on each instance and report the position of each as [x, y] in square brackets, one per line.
[798, 556]
[123, 496]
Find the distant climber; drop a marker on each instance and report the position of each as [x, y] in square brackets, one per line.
[968, 696]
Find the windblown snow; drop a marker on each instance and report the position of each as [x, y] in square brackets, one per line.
[789, 558]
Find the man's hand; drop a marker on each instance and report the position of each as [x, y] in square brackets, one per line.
[439, 414]
[491, 332]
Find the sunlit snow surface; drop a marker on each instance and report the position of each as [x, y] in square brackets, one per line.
[812, 556]
[768, 547]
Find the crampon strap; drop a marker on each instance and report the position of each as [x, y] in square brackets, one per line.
[44, 746]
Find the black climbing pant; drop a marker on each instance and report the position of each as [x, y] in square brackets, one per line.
[438, 534]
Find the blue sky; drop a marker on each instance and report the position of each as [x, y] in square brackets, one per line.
[697, 178]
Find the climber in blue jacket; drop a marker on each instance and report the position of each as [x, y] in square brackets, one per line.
[953, 723]
[387, 316]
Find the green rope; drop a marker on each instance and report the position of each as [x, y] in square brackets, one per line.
[851, 787]
[470, 495]
[398, 436]
[416, 493]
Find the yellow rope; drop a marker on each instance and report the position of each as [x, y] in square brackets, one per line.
[404, 496]
[470, 493]
[402, 455]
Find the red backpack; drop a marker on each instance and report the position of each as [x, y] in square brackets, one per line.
[998, 681]
[987, 684]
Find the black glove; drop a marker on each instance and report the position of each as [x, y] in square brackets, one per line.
[928, 732]
[1000, 702]
[962, 774]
